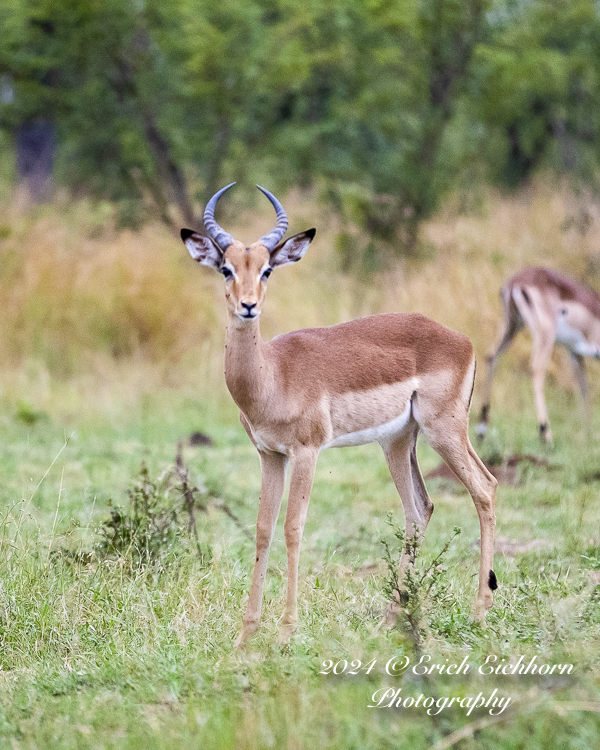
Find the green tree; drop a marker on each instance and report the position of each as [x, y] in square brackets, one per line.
[384, 105]
[153, 103]
[381, 82]
[537, 89]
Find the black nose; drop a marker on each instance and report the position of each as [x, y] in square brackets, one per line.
[249, 306]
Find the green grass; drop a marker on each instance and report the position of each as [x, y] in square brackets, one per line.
[113, 655]
[111, 345]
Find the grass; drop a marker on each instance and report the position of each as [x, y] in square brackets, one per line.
[100, 649]
[110, 654]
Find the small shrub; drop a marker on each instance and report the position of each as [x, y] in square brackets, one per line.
[159, 519]
[416, 587]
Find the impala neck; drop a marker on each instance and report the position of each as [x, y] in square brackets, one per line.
[246, 369]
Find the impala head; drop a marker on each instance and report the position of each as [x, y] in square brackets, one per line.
[246, 269]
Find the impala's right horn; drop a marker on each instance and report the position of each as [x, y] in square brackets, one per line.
[220, 236]
[271, 239]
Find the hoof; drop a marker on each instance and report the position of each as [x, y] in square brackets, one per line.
[285, 633]
[480, 610]
[546, 435]
[246, 633]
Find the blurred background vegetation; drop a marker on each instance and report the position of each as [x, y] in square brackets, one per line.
[379, 122]
[384, 107]
[464, 132]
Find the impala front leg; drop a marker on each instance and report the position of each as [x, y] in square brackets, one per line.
[303, 471]
[273, 481]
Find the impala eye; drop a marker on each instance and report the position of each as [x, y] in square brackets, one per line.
[267, 273]
[226, 273]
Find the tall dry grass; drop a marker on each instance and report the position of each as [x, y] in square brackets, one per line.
[84, 303]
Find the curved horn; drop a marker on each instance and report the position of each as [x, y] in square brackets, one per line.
[271, 239]
[220, 236]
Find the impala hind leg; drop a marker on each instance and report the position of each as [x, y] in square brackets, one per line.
[579, 370]
[272, 484]
[513, 323]
[541, 321]
[451, 441]
[401, 457]
[303, 470]
[578, 362]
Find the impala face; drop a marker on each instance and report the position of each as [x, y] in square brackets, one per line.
[245, 269]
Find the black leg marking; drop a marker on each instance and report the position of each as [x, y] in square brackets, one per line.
[485, 413]
[472, 386]
[543, 428]
[492, 581]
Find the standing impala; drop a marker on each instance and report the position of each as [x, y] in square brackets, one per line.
[376, 379]
[557, 310]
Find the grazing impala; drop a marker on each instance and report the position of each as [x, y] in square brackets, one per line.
[376, 379]
[556, 309]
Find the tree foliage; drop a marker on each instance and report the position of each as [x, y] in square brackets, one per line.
[537, 88]
[385, 105]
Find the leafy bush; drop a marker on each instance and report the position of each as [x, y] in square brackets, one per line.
[159, 520]
[415, 588]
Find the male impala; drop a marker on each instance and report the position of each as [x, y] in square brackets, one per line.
[376, 379]
[556, 309]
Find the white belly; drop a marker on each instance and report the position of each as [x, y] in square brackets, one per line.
[383, 433]
[572, 338]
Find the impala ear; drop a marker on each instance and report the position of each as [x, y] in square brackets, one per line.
[202, 249]
[292, 249]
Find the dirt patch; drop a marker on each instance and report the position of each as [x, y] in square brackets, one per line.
[590, 477]
[511, 549]
[505, 546]
[367, 571]
[199, 438]
[506, 472]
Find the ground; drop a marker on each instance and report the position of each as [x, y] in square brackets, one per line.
[102, 651]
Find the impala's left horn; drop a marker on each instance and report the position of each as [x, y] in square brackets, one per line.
[271, 239]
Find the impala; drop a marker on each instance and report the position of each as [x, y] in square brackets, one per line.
[377, 379]
[556, 309]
